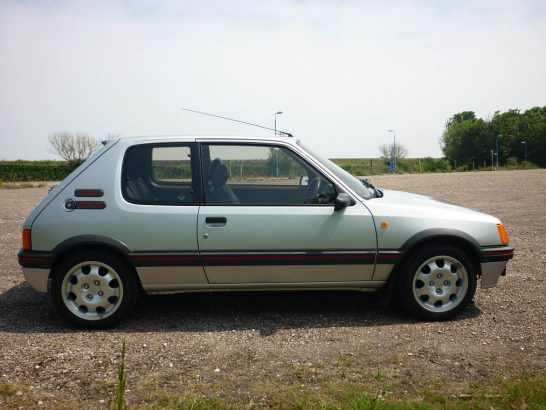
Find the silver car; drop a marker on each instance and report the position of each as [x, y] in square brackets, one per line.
[181, 214]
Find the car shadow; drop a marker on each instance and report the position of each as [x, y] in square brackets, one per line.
[22, 310]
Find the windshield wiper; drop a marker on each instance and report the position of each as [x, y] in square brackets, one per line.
[377, 193]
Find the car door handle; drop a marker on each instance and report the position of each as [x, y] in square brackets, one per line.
[216, 220]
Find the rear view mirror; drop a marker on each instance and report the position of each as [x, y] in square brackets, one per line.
[304, 181]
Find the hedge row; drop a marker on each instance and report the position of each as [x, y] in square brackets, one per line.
[35, 171]
[18, 171]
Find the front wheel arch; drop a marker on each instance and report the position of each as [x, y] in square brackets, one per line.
[451, 280]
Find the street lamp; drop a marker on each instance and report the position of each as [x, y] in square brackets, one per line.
[277, 113]
[525, 147]
[393, 152]
[497, 149]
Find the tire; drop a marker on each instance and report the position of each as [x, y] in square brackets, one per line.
[437, 282]
[93, 289]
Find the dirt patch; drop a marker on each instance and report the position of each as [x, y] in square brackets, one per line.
[259, 348]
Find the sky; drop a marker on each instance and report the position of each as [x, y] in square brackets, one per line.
[343, 72]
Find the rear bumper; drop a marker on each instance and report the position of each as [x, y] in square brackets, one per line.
[37, 278]
[36, 266]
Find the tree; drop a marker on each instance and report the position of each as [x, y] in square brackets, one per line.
[467, 139]
[279, 163]
[460, 117]
[386, 151]
[72, 147]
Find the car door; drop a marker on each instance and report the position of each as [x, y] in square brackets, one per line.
[268, 217]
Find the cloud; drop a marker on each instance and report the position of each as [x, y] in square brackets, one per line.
[340, 71]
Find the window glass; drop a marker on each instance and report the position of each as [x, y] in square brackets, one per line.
[353, 182]
[262, 175]
[171, 164]
[159, 175]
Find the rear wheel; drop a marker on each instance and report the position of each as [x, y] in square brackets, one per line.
[93, 289]
[437, 282]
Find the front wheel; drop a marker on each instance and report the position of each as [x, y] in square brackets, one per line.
[93, 289]
[437, 282]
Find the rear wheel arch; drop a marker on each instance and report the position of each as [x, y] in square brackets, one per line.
[93, 287]
[93, 243]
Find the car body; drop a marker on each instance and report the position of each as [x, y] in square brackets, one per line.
[182, 214]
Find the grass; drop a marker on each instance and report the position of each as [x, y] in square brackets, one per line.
[119, 401]
[20, 185]
[7, 389]
[526, 393]
[191, 404]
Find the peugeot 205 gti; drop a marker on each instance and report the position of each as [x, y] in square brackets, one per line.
[181, 214]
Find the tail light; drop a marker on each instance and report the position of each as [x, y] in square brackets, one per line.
[27, 241]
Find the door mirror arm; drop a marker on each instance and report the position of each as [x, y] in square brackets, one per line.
[342, 201]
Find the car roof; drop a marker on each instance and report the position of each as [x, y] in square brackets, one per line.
[193, 138]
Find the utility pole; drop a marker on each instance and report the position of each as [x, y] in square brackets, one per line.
[497, 149]
[277, 113]
[393, 152]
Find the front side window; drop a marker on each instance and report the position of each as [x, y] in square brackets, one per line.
[159, 175]
[261, 175]
[353, 182]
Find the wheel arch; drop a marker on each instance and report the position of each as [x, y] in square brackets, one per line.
[93, 243]
[451, 237]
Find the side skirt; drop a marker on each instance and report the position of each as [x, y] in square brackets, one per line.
[364, 286]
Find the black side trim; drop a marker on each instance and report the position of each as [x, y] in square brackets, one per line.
[35, 259]
[288, 258]
[388, 257]
[165, 259]
[498, 254]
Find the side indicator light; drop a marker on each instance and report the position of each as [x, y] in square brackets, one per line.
[384, 225]
[503, 235]
[27, 242]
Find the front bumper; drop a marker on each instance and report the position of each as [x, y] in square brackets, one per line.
[494, 265]
[491, 272]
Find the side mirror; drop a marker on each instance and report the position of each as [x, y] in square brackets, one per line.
[304, 181]
[342, 201]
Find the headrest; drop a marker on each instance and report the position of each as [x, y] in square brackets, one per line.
[219, 176]
[213, 165]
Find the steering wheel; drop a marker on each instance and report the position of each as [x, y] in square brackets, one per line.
[312, 190]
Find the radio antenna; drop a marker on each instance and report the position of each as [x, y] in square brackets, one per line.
[242, 122]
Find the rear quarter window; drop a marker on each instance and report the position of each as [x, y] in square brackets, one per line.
[159, 174]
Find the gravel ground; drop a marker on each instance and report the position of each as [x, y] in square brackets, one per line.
[264, 348]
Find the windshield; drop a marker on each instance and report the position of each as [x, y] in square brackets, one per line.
[351, 181]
